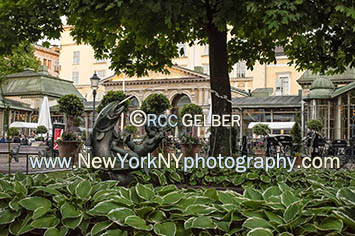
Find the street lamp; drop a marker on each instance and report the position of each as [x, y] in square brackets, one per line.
[94, 80]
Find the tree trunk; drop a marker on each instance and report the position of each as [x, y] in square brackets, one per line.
[220, 139]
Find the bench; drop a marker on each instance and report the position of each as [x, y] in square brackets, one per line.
[18, 149]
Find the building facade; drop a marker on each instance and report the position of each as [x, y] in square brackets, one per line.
[49, 57]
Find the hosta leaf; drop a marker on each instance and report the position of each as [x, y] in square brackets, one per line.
[56, 232]
[260, 232]
[8, 216]
[287, 198]
[33, 203]
[83, 190]
[252, 194]
[115, 232]
[274, 218]
[271, 191]
[203, 222]
[69, 211]
[137, 223]
[144, 192]
[39, 212]
[4, 195]
[45, 222]
[14, 204]
[347, 215]
[156, 216]
[200, 209]
[103, 208]
[172, 198]
[211, 193]
[330, 223]
[119, 215]
[165, 229]
[291, 212]
[21, 226]
[226, 197]
[347, 195]
[98, 227]
[72, 223]
[256, 222]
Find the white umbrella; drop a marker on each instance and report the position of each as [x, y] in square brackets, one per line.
[45, 115]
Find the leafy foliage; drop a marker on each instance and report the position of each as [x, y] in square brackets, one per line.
[82, 204]
[112, 96]
[13, 131]
[41, 129]
[155, 104]
[21, 57]
[261, 129]
[72, 106]
[191, 109]
[315, 125]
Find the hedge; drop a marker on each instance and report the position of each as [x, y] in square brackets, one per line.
[83, 204]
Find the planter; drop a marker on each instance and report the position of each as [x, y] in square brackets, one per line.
[190, 150]
[69, 149]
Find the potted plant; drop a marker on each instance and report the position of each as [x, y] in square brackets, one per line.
[296, 134]
[315, 125]
[190, 142]
[69, 143]
[260, 130]
[13, 133]
[156, 104]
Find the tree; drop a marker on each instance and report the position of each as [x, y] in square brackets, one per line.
[315, 125]
[72, 106]
[155, 104]
[112, 96]
[193, 110]
[20, 58]
[296, 134]
[261, 129]
[143, 35]
[41, 130]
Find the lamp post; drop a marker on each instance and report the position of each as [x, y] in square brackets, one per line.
[94, 80]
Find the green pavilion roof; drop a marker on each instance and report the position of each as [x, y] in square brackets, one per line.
[343, 89]
[30, 83]
[267, 102]
[347, 77]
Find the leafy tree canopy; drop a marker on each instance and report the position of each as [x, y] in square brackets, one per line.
[20, 58]
[112, 96]
[155, 104]
[261, 129]
[315, 125]
[191, 109]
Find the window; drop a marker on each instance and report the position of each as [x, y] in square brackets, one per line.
[182, 49]
[282, 85]
[206, 50]
[206, 69]
[101, 74]
[241, 69]
[44, 62]
[49, 64]
[76, 57]
[75, 77]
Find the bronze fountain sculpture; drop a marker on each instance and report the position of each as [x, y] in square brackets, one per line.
[104, 140]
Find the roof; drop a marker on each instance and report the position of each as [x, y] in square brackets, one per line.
[347, 77]
[321, 88]
[267, 102]
[15, 105]
[344, 89]
[28, 83]
[239, 91]
[262, 92]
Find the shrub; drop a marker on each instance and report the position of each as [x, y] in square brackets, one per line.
[131, 129]
[41, 129]
[112, 96]
[191, 109]
[82, 204]
[296, 133]
[155, 104]
[261, 129]
[72, 106]
[13, 131]
[315, 125]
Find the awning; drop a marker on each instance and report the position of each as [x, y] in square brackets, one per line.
[18, 124]
[273, 125]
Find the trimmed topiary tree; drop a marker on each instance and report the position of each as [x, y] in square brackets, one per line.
[13, 131]
[261, 129]
[72, 106]
[155, 104]
[296, 134]
[315, 125]
[41, 130]
[193, 110]
[112, 96]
